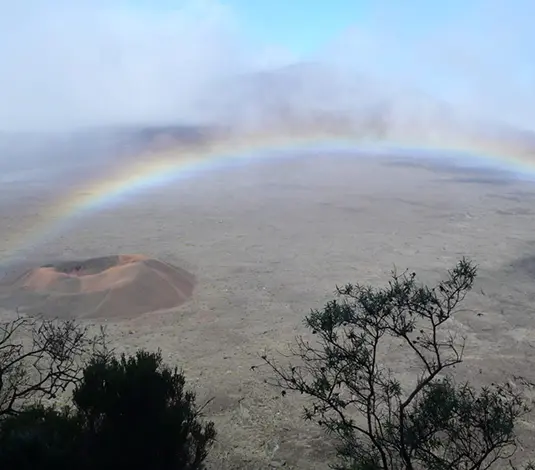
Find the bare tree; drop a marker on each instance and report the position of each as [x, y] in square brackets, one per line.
[433, 424]
[40, 358]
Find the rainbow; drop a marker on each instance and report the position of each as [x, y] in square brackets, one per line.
[185, 162]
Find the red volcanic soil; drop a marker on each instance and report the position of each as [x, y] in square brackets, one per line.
[108, 287]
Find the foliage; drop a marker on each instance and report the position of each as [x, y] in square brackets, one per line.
[127, 413]
[433, 424]
[40, 437]
[137, 411]
[40, 359]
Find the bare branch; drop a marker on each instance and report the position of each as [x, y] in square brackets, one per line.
[40, 359]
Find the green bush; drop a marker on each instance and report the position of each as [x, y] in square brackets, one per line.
[40, 437]
[136, 411]
[432, 423]
[127, 413]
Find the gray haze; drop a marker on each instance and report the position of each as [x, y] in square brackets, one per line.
[69, 65]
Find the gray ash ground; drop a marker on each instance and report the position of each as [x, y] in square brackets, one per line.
[270, 240]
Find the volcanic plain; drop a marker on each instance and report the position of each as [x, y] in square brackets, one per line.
[254, 247]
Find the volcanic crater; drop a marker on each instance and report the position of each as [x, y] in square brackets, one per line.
[111, 287]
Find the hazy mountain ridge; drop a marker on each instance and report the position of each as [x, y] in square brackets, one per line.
[307, 97]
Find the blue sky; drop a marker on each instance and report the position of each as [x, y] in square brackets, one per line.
[303, 26]
[66, 61]
[300, 26]
[306, 26]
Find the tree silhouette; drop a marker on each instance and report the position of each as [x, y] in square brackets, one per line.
[432, 424]
[137, 411]
[40, 359]
[130, 413]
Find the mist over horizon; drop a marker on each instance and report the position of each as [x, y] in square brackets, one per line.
[204, 178]
[95, 64]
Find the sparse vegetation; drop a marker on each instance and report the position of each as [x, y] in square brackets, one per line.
[137, 410]
[135, 413]
[126, 413]
[40, 359]
[434, 423]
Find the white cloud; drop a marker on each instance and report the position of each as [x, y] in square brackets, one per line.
[95, 63]
[478, 55]
[68, 64]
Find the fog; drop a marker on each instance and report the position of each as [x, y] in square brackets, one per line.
[94, 63]
[478, 55]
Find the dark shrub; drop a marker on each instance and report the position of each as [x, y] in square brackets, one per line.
[128, 413]
[139, 416]
[40, 438]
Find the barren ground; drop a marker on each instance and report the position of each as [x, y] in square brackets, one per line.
[270, 240]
